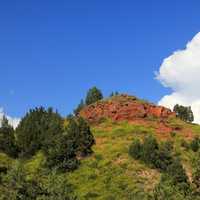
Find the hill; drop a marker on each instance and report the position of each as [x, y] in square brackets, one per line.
[110, 172]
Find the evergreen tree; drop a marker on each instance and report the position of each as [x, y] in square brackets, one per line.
[61, 154]
[167, 190]
[86, 138]
[114, 94]
[79, 107]
[63, 150]
[184, 113]
[79, 132]
[93, 95]
[177, 172]
[37, 129]
[150, 150]
[165, 157]
[7, 138]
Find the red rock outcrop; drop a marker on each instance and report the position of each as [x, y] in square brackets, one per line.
[124, 107]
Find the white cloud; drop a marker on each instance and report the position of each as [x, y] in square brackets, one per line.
[12, 121]
[181, 72]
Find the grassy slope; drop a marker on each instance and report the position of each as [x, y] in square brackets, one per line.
[110, 173]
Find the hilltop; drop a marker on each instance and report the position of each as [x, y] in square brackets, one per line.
[111, 173]
[136, 111]
[124, 107]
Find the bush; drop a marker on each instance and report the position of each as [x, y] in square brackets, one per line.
[135, 150]
[178, 174]
[185, 144]
[93, 95]
[158, 156]
[173, 134]
[61, 154]
[165, 157]
[15, 185]
[79, 132]
[195, 144]
[167, 190]
[196, 175]
[150, 151]
[56, 187]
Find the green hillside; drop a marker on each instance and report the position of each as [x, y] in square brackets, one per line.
[109, 171]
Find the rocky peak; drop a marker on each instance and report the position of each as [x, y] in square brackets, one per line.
[124, 107]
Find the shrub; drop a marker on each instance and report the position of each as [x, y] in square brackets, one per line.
[173, 134]
[165, 157]
[196, 175]
[135, 150]
[185, 144]
[61, 154]
[167, 190]
[150, 150]
[56, 187]
[16, 186]
[195, 144]
[79, 132]
[178, 174]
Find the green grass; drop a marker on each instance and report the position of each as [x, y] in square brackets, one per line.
[110, 173]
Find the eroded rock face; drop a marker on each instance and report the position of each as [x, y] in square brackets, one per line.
[124, 107]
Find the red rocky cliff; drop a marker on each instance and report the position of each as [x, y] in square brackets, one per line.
[124, 107]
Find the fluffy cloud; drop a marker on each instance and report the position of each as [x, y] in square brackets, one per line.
[12, 121]
[181, 72]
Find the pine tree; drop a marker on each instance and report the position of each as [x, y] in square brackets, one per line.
[79, 107]
[93, 95]
[37, 129]
[184, 113]
[7, 138]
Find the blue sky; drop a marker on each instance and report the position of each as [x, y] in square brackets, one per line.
[52, 52]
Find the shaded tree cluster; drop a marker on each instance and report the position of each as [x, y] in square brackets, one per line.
[184, 113]
[160, 157]
[43, 130]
